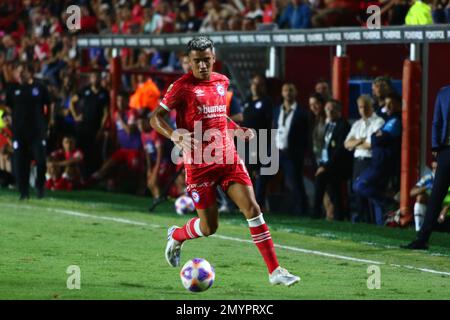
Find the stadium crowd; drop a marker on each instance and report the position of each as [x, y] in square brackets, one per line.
[88, 144]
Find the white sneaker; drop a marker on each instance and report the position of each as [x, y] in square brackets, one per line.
[173, 248]
[282, 276]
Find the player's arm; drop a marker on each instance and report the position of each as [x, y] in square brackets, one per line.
[77, 117]
[78, 158]
[158, 122]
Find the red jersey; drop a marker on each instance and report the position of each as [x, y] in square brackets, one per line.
[203, 103]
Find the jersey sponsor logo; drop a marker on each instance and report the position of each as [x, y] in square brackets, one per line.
[199, 93]
[220, 90]
[195, 196]
[35, 92]
[212, 111]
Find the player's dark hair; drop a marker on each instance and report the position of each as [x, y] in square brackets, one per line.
[318, 97]
[200, 43]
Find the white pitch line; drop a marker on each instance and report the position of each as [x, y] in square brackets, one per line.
[307, 251]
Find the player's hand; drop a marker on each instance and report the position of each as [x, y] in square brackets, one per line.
[320, 170]
[185, 141]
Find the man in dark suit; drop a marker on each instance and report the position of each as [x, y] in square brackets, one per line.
[440, 144]
[291, 122]
[335, 165]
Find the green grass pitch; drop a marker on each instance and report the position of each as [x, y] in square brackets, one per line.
[119, 248]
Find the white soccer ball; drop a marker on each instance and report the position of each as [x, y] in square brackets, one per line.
[184, 204]
[197, 275]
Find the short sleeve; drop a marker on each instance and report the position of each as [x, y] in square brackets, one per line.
[173, 97]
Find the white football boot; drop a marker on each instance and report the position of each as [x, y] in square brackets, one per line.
[173, 248]
[282, 276]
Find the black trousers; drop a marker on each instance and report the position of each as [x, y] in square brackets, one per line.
[329, 182]
[26, 150]
[362, 203]
[293, 175]
[438, 193]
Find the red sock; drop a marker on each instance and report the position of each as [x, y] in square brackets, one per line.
[191, 230]
[261, 237]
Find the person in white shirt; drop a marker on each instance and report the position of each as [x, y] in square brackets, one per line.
[358, 141]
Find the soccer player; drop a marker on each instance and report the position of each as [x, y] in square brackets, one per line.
[199, 97]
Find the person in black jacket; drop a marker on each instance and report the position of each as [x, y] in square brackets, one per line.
[335, 165]
[440, 144]
[291, 122]
[29, 102]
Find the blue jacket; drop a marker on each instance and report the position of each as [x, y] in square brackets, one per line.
[386, 152]
[441, 119]
[296, 18]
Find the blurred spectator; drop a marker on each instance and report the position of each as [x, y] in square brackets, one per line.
[358, 141]
[258, 115]
[129, 155]
[335, 163]
[153, 21]
[337, 13]
[396, 11]
[372, 183]
[419, 13]
[297, 15]
[291, 141]
[323, 88]
[317, 124]
[159, 167]
[421, 193]
[253, 10]
[6, 149]
[441, 11]
[381, 87]
[186, 19]
[64, 167]
[216, 10]
[89, 108]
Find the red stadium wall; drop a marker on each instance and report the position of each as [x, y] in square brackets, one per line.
[305, 65]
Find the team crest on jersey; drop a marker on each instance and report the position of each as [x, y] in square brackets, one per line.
[195, 196]
[35, 92]
[17, 92]
[220, 89]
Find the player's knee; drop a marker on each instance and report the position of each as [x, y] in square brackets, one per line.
[252, 211]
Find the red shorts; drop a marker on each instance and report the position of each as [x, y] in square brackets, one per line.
[202, 182]
[132, 158]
